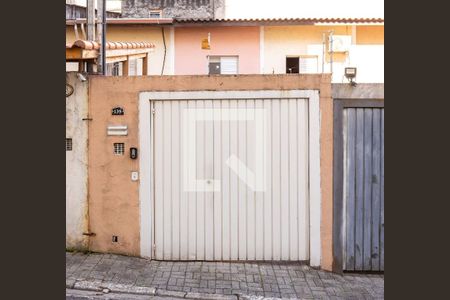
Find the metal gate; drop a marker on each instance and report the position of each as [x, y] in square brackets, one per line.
[225, 216]
[359, 185]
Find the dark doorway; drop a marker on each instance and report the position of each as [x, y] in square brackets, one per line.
[292, 65]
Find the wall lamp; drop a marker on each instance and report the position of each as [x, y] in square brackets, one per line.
[350, 74]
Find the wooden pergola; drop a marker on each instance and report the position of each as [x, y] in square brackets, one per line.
[82, 51]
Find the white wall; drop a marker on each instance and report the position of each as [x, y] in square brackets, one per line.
[369, 59]
[281, 41]
[304, 9]
[76, 164]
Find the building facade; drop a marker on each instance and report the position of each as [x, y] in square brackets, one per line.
[134, 186]
[252, 48]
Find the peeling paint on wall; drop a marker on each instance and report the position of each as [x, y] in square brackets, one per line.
[76, 165]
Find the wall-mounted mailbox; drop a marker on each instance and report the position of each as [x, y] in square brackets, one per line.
[133, 153]
[118, 130]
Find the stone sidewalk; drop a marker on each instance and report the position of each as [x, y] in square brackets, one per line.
[215, 280]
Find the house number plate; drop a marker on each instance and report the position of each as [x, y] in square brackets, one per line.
[117, 111]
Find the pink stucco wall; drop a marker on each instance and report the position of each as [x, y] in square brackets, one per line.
[190, 59]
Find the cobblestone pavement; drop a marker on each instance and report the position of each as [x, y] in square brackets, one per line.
[89, 295]
[269, 280]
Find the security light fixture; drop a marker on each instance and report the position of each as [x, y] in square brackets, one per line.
[350, 74]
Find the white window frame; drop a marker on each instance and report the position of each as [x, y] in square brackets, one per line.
[219, 57]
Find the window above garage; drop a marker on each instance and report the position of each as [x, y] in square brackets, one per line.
[225, 65]
[302, 64]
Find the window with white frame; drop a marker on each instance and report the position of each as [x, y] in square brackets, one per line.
[302, 64]
[223, 65]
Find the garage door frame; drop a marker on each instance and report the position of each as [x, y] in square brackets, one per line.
[338, 173]
[146, 152]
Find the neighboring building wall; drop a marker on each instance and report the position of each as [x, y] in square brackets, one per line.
[76, 165]
[184, 55]
[111, 5]
[366, 52]
[77, 11]
[191, 59]
[139, 33]
[114, 198]
[174, 8]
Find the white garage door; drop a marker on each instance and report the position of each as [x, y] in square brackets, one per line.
[234, 209]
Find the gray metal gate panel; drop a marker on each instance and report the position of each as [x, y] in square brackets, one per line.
[359, 186]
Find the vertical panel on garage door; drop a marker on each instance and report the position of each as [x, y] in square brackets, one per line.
[235, 222]
[363, 189]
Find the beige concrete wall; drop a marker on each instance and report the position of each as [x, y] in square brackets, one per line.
[76, 165]
[114, 198]
[138, 33]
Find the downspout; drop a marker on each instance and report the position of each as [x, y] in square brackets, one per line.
[104, 38]
[165, 50]
[101, 31]
[331, 53]
[323, 52]
[90, 20]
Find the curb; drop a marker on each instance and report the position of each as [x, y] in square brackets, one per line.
[108, 287]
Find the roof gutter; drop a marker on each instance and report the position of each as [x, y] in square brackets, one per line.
[118, 21]
[233, 22]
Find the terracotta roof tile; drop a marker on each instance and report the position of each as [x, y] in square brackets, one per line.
[92, 45]
[282, 20]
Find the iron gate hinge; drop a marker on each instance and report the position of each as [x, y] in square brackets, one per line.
[153, 250]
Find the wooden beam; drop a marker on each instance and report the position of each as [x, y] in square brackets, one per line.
[77, 54]
[110, 60]
[127, 52]
[145, 65]
[137, 56]
[126, 67]
[89, 54]
[73, 53]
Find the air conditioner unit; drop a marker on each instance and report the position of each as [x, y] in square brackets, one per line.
[341, 43]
